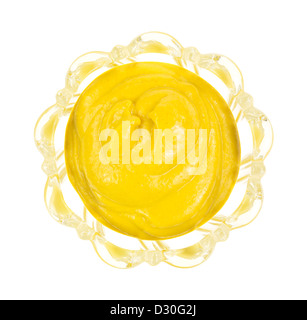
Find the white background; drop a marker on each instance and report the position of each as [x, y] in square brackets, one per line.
[40, 259]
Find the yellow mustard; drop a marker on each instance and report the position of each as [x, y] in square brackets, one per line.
[153, 198]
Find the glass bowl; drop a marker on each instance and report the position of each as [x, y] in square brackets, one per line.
[245, 202]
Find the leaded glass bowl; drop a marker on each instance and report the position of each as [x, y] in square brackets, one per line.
[245, 202]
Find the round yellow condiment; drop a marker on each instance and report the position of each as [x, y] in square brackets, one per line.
[151, 201]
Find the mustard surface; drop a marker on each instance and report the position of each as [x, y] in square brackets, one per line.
[151, 201]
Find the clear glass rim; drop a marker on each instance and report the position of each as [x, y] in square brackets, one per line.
[252, 168]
